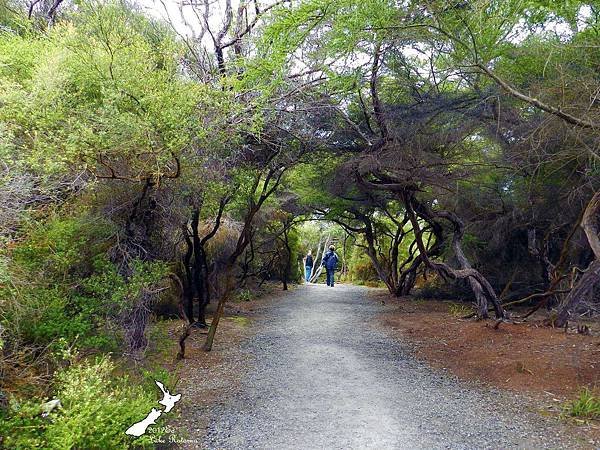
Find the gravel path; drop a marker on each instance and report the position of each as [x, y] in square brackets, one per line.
[324, 378]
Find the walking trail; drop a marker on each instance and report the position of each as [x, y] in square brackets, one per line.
[324, 377]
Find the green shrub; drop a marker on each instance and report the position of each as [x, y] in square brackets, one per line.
[169, 378]
[63, 248]
[437, 288]
[96, 410]
[361, 269]
[585, 406]
[296, 272]
[40, 315]
[65, 286]
[22, 426]
[54, 290]
[47, 314]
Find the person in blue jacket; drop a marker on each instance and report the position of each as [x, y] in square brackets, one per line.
[330, 260]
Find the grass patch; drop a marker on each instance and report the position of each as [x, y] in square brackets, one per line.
[585, 406]
[459, 309]
[244, 295]
[374, 284]
[240, 320]
[419, 301]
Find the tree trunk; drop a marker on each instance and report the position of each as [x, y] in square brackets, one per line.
[187, 285]
[344, 260]
[372, 252]
[408, 278]
[223, 295]
[207, 347]
[137, 243]
[478, 292]
[316, 262]
[273, 176]
[591, 277]
[582, 290]
[482, 289]
[203, 288]
[198, 270]
[288, 259]
[317, 268]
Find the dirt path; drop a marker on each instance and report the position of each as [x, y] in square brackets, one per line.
[323, 378]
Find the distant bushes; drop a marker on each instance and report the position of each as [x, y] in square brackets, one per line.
[434, 287]
[360, 269]
[96, 409]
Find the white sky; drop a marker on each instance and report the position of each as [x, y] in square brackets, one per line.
[185, 21]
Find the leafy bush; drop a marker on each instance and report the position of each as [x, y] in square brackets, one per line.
[96, 409]
[297, 271]
[63, 248]
[67, 287]
[60, 292]
[47, 314]
[59, 277]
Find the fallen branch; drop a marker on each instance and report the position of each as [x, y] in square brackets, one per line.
[536, 295]
[182, 338]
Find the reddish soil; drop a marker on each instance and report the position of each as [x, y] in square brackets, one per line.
[527, 357]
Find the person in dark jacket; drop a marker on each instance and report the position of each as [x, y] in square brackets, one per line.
[330, 260]
[308, 265]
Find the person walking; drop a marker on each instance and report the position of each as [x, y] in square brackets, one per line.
[308, 265]
[330, 260]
